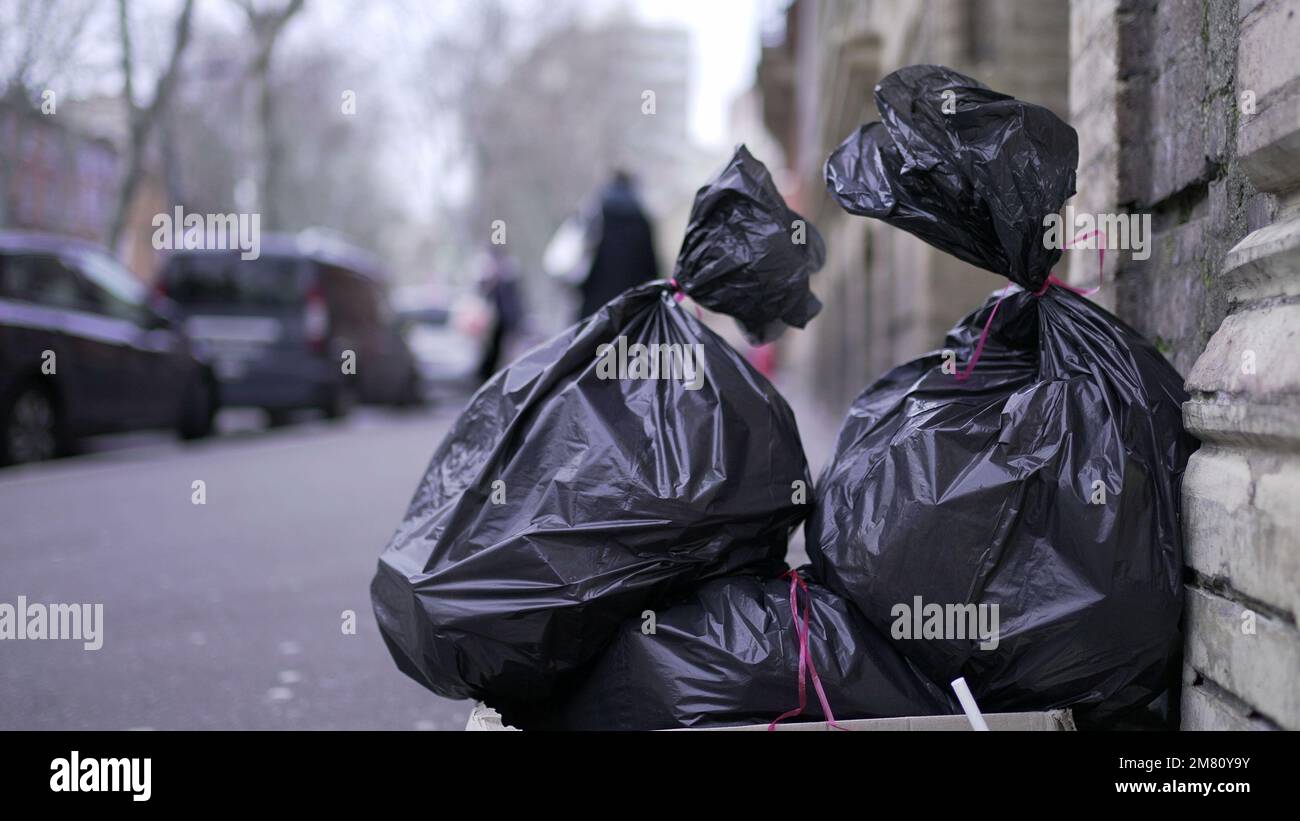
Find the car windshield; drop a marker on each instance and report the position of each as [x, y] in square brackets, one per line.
[225, 279]
[108, 274]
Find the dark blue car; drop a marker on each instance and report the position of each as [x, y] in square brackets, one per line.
[82, 352]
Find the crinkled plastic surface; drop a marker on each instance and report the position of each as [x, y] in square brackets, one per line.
[728, 655]
[976, 182]
[989, 492]
[1046, 484]
[565, 498]
[747, 255]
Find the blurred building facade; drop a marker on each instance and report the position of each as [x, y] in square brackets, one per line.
[56, 180]
[888, 296]
[61, 176]
[1187, 111]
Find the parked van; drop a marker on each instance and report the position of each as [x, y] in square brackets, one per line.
[305, 325]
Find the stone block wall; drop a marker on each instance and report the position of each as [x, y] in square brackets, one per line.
[1189, 110]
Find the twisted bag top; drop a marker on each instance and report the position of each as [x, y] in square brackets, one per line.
[968, 170]
[742, 254]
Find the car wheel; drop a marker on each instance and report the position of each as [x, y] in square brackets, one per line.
[30, 428]
[198, 409]
[341, 401]
[412, 395]
[278, 417]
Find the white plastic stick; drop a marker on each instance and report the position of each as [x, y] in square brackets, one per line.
[973, 714]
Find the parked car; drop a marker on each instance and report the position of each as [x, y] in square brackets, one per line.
[447, 349]
[82, 352]
[282, 327]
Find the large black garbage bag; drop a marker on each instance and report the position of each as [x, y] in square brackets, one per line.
[1045, 482]
[728, 655]
[566, 498]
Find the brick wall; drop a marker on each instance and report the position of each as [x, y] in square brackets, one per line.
[1189, 110]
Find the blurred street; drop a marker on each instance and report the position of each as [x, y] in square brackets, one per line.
[255, 254]
[225, 615]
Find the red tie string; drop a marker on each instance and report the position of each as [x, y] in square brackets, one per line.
[1051, 280]
[805, 658]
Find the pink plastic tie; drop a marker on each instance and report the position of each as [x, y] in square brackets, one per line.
[805, 657]
[1051, 280]
[676, 288]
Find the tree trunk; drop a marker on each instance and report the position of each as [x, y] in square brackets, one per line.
[142, 119]
[266, 30]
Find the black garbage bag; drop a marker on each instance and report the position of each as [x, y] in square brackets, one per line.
[589, 479]
[1044, 481]
[728, 655]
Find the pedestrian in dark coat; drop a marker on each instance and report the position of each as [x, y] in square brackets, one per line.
[624, 253]
[499, 286]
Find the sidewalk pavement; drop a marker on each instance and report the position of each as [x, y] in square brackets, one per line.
[818, 428]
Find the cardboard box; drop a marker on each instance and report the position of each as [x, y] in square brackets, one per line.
[483, 717]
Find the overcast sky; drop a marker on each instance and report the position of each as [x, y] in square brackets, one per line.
[386, 38]
[725, 42]
[724, 39]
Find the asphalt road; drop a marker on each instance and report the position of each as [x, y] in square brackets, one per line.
[225, 615]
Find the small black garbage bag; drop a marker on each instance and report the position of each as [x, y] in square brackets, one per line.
[628, 458]
[1044, 481]
[728, 655]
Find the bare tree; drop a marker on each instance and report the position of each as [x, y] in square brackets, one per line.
[328, 172]
[141, 118]
[203, 132]
[267, 25]
[472, 68]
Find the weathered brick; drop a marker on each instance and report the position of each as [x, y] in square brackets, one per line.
[1176, 27]
[1205, 710]
[1266, 36]
[1266, 264]
[1246, 7]
[1088, 19]
[1268, 140]
[1241, 511]
[1220, 115]
[1267, 338]
[1261, 209]
[1134, 132]
[1218, 203]
[1160, 296]
[1093, 75]
[1135, 41]
[1262, 668]
[1177, 146]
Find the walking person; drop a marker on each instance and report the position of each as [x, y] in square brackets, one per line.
[622, 240]
[499, 285]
